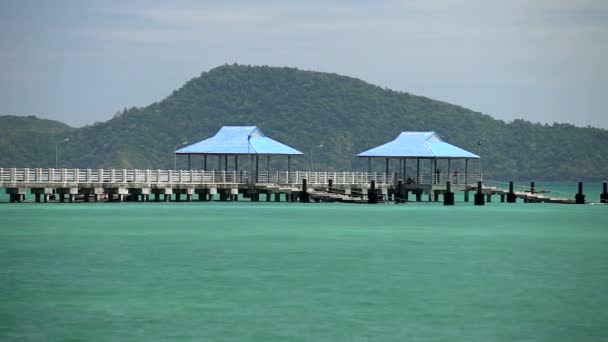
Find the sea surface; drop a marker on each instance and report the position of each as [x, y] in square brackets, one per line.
[245, 271]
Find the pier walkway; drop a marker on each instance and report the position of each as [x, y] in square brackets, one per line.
[48, 184]
[132, 184]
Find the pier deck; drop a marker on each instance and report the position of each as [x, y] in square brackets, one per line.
[47, 184]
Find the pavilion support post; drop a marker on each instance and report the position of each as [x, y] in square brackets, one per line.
[404, 168]
[226, 162]
[205, 162]
[236, 162]
[189, 167]
[219, 163]
[417, 170]
[257, 168]
[580, 197]
[401, 167]
[268, 165]
[386, 169]
[466, 171]
[436, 170]
[449, 168]
[369, 165]
[288, 168]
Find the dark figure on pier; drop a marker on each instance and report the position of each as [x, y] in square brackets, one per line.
[409, 180]
[456, 173]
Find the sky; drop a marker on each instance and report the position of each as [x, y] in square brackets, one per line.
[80, 62]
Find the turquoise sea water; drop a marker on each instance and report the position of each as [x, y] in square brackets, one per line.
[303, 272]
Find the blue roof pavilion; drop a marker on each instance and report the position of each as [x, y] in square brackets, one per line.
[418, 145]
[239, 140]
[236, 141]
[422, 146]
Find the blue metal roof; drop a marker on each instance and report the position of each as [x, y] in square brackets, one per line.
[239, 140]
[417, 145]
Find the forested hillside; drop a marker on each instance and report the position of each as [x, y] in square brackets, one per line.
[29, 141]
[304, 109]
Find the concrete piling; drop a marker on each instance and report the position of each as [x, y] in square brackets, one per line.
[532, 187]
[511, 198]
[580, 197]
[304, 195]
[479, 200]
[399, 195]
[604, 195]
[448, 196]
[372, 196]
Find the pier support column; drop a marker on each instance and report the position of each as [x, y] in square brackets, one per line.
[178, 197]
[268, 195]
[580, 197]
[436, 195]
[399, 193]
[202, 194]
[431, 196]
[448, 196]
[167, 197]
[304, 195]
[466, 196]
[532, 188]
[157, 197]
[223, 196]
[511, 198]
[37, 198]
[488, 198]
[418, 196]
[234, 195]
[502, 198]
[189, 197]
[372, 196]
[61, 198]
[479, 195]
[604, 195]
[277, 197]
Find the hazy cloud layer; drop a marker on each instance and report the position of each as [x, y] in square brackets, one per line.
[80, 62]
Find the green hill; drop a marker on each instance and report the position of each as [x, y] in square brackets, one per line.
[27, 141]
[304, 109]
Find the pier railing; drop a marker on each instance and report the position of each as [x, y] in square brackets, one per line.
[51, 175]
